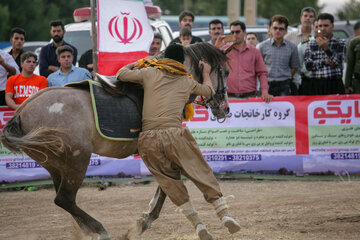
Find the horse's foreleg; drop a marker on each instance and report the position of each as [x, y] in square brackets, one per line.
[65, 198]
[155, 204]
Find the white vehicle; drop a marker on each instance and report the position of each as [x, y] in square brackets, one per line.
[33, 46]
[78, 33]
[261, 32]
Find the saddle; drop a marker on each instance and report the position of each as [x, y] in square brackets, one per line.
[117, 111]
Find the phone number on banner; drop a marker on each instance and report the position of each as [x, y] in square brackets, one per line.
[18, 165]
[345, 156]
[233, 157]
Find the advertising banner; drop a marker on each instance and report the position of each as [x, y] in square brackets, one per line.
[303, 134]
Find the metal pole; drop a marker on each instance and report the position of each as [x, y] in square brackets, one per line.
[250, 12]
[94, 34]
[186, 5]
[233, 10]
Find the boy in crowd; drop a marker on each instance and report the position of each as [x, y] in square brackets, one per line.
[21, 86]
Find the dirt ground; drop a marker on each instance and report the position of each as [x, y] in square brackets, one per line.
[265, 210]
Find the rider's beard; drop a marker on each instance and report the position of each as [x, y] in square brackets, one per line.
[57, 39]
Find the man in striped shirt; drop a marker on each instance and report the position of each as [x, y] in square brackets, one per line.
[324, 58]
[281, 58]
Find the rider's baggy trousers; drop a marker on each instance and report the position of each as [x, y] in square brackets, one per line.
[171, 152]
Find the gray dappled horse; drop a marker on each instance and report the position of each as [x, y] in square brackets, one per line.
[56, 128]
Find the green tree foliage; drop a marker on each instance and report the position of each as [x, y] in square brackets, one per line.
[198, 7]
[35, 15]
[290, 9]
[350, 10]
[4, 20]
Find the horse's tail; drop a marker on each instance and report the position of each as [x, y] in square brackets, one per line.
[41, 140]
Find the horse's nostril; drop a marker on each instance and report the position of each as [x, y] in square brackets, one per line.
[227, 110]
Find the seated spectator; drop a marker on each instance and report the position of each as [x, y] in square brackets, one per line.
[155, 45]
[67, 72]
[185, 36]
[252, 39]
[23, 85]
[86, 61]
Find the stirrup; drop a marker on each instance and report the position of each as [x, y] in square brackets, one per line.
[230, 224]
[202, 232]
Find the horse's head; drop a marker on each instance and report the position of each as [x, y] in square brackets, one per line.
[217, 60]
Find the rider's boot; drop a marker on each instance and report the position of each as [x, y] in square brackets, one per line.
[188, 210]
[221, 209]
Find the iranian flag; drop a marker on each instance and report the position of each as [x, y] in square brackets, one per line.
[124, 34]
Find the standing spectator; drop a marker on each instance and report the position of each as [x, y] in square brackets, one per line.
[252, 39]
[324, 58]
[48, 60]
[21, 86]
[8, 66]
[67, 72]
[86, 61]
[281, 58]
[216, 29]
[352, 75]
[186, 20]
[246, 65]
[357, 29]
[304, 30]
[185, 36]
[17, 39]
[156, 44]
[304, 73]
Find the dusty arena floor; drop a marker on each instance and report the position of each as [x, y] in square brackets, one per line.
[266, 210]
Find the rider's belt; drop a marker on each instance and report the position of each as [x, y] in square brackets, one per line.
[242, 95]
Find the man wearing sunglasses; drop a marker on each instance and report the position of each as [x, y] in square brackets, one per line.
[246, 65]
[281, 58]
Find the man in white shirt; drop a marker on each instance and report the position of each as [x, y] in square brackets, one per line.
[7, 66]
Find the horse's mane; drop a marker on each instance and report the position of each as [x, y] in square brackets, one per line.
[206, 52]
[202, 51]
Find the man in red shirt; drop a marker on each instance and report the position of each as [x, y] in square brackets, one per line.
[23, 85]
[246, 65]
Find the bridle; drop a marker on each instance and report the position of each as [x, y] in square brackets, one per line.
[216, 101]
[218, 98]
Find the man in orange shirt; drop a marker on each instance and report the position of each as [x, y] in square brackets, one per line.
[23, 85]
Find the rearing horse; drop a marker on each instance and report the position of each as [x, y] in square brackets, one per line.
[56, 128]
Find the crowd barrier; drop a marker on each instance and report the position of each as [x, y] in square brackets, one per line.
[302, 134]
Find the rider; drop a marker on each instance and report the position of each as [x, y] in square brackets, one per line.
[167, 148]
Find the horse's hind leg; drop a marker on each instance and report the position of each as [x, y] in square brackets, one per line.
[71, 180]
[156, 205]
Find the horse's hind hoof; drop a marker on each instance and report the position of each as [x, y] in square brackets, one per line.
[230, 224]
[203, 233]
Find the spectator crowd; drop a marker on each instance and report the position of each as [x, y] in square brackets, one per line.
[308, 61]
